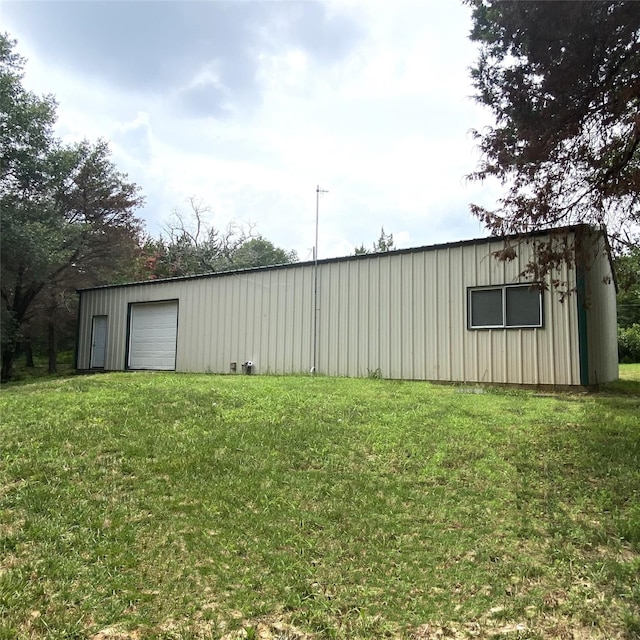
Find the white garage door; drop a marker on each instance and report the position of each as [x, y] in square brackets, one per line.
[152, 336]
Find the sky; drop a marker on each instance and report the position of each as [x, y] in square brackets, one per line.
[247, 106]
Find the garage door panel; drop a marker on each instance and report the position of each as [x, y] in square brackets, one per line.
[153, 333]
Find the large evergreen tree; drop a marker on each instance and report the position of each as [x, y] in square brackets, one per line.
[66, 213]
[383, 244]
[563, 82]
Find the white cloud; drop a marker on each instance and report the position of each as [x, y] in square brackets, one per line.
[382, 124]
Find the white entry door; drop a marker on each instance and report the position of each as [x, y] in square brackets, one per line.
[98, 341]
[153, 331]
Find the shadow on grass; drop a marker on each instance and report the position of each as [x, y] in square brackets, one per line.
[622, 387]
[586, 476]
[579, 493]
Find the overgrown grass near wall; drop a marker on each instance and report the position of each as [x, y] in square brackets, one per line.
[193, 506]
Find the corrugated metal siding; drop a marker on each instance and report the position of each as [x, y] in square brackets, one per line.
[404, 314]
[261, 316]
[602, 322]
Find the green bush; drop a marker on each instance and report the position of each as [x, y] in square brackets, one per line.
[629, 344]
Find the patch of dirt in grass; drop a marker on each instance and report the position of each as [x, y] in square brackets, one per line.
[269, 630]
[439, 631]
[623, 555]
[113, 633]
[8, 562]
[545, 628]
[10, 487]
[271, 627]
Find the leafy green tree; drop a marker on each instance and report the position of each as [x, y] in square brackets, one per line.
[77, 229]
[562, 80]
[628, 276]
[26, 138]
[66, 213]
[259, 252]
[26, 130]
[192, 246]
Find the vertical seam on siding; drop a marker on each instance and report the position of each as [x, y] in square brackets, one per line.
[583, 342]
[78, 320]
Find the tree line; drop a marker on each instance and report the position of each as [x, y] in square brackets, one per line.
[68, 220]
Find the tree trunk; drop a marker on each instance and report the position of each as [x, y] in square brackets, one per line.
[52, 346]
[28, 353]
[8, 355]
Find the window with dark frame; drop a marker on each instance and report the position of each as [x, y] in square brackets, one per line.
[505, 307]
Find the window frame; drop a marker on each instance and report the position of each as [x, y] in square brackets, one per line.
[503, 289]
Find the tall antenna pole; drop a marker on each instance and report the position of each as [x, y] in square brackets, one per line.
[315, 283]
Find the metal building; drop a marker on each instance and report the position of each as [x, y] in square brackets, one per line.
[449, 312]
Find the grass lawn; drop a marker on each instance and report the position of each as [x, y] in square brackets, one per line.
[139, 506]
